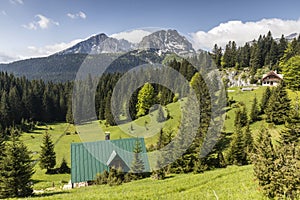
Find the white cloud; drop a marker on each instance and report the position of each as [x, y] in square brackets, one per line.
[42, 22]
[8, 57]
[16, 1]
[80, 14]
[35, 51]
[242, 32]
[50, 49]
[134, 36]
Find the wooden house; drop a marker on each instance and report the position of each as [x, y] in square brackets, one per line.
[271, 79]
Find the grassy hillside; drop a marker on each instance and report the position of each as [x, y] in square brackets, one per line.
[226, 184]
[64, 134]
[230, 183]
[247, 98]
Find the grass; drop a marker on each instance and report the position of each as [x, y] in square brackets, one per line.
[33, 141]
[146, 126]
[247, 98]
[226, 184]
[230, 183]
[64, 134]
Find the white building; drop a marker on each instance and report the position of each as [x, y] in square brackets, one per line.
[272, 79]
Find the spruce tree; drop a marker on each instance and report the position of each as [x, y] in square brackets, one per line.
[16, 170]
[137, 165]
[47, 154]
[265, 99]
[286, 177]
[247, 144]
[241, 118]
[160, 115]
[237, 155]
[278, 109]
[254, 114]
[264, 162]
[64, 168]
[109, 117]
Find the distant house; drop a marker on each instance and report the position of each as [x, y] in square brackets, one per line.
[90, 158]
[272, 79]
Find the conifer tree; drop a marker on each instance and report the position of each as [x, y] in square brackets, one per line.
[109, 117]
[237, 155]
[160, 115]
[278, 109]
[64, 168]
[291, 71]
[241, 118]
[247, 144]
[145, 99]
[265, 99]
[254, 114]
[137, 165]
[264, 162]
[47, 154]
[16, 170]
[286, 178]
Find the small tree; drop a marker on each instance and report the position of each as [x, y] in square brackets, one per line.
[160, 115]
[47, 155]
[254, 114]
[241, 118]
[137, 165]
[102, 178]
[265, 99]
[264, 162]
[146, 98]
[114, 177]
[278, 109]
[64, 168]
[237, 155]
[16, 171]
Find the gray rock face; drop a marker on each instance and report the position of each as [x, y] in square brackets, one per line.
[167, 41]
[164, 41]
[99, 44]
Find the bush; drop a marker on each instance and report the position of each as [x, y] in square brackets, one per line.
[64, 168]
[101, 179]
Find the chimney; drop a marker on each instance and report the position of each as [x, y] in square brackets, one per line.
[107, 135]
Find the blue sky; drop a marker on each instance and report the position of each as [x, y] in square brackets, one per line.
[32, 28]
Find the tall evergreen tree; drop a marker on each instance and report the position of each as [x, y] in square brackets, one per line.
[137, 165]
[109, 117]
[254, 114]
[264, 162]
[278, 109]
[291, 71]
[16, 171]
[160, 115]
[47, 154]
[265, 99]
[237, 155]
[145, 99]
[217, 55]
[241, 117]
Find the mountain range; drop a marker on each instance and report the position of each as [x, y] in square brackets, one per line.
[63, 66]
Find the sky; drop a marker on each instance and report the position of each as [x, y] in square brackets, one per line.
[33, 28]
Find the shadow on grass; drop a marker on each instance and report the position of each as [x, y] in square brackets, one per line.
[169, 176]
[48, 194]
[37, 181]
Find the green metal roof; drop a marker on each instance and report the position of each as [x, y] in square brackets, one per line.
[90, 158]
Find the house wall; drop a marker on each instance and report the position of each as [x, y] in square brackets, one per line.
[268, 83]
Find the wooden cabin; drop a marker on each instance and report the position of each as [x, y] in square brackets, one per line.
[271, 79]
